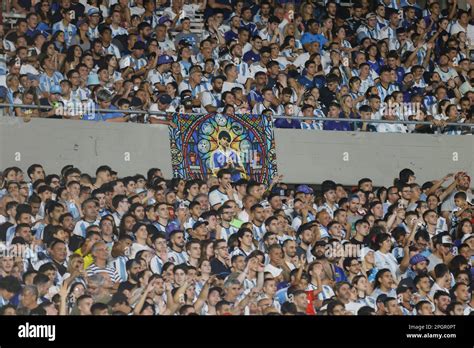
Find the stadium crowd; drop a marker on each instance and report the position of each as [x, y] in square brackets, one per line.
[73, 244]
[388, 59]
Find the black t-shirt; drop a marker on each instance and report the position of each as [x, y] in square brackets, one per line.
[327, 96]
[356, 242]
[61, 268]
[45, 102]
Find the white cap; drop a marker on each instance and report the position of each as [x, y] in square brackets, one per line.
[364, 252]
[125, 62]
[466, 237]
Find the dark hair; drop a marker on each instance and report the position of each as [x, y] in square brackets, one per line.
[332, 305]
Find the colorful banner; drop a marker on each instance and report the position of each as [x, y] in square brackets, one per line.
[201, 145]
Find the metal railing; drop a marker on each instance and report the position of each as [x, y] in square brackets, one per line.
[299, 118]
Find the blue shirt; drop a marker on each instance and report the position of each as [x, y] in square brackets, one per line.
[286, 123]
[309, 38]
[305, 81]
[97, 116]
[230, 36]
[337, 126]
[251, 56]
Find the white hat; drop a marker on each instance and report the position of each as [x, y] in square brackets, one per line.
[125, 62]
[364, 252]
[466, 237]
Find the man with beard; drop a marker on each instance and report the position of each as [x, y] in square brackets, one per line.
[176, 253]
[289, 249]
[441, 301]
[354, 211]
[211, 100]
[442, 244]
[418, 265]
[133, 268]
[306, 236]
[343, 294]
[273, 224]
[257, 219]
[160, 76]
[226, 230]
[319, 250]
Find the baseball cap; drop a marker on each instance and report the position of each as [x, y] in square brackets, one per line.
[164, 59]
[466, 237]
[165, 99]
[370, 15]
[305, 189]
[402, 289]
[443, 238]
[199, 223]
[55, 90]
[364, 252]
[140, 190]
[93, 11]
[139, 45]
[81, 22]
[33, 77]
[187, 102]
[381, 298]
[164, 19]
[415, 259]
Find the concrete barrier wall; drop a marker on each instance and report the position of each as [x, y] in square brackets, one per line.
[303, 155]
[313, 156]
[128, 148]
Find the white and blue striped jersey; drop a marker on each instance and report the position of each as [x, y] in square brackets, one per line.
[82, 225]
[69, 31]
[156, 264]
[384, 92]
[258, 231]
[46, 82]
[118, 31]
[135, 63]
[177, 257]
[119, 264]
[202, 87]
[227, 232]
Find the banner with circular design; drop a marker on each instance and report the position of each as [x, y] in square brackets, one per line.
[202, 145]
